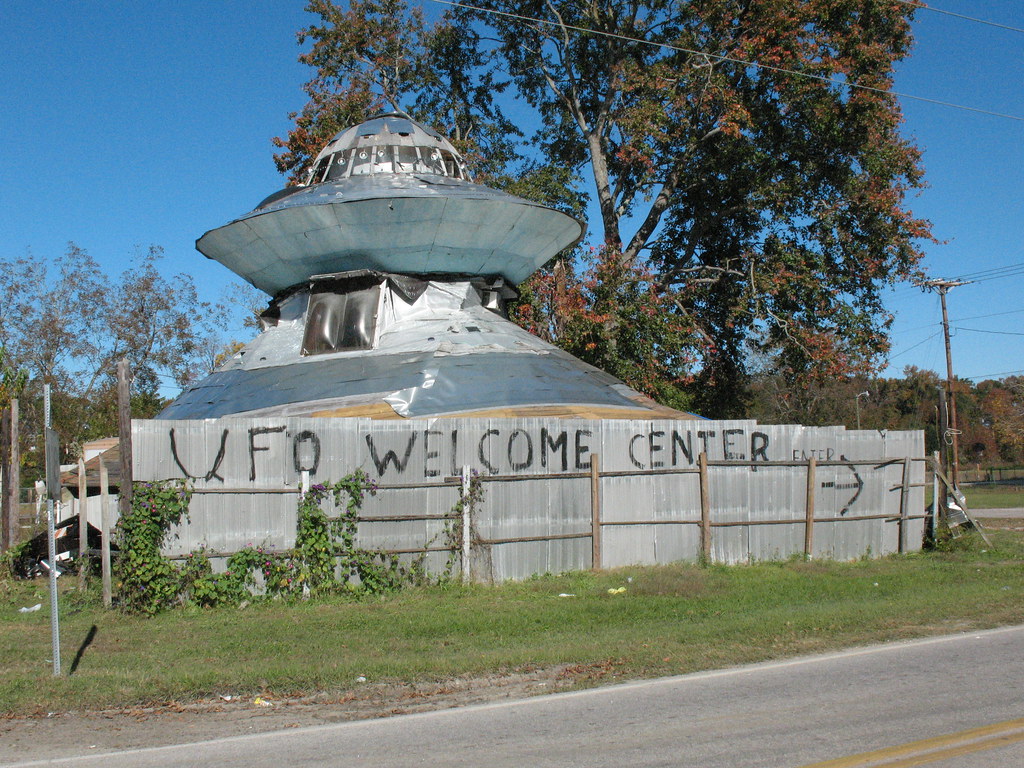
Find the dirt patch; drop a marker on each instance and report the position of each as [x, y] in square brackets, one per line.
[64, 734]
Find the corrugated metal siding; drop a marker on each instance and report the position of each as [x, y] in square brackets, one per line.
[536, 485]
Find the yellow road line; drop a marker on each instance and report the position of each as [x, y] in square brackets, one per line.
[936, 748]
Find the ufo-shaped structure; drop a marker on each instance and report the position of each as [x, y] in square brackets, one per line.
[389, 272]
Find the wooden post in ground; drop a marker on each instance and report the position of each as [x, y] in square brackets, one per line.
[105, 537]
[809, 508]
[595, 511]
[904, 504]
[83, 525]
[124, 433]
[705, 509]
[467, 523]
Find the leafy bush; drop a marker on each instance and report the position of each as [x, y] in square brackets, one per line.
[325, 556]
[147, 581]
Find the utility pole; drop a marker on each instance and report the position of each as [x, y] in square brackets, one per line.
[856, 402]
[942, 288]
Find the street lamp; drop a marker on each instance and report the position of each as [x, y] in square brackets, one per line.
[856, 403]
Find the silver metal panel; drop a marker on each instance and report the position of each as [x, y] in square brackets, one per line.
[443, 353]
[458, 383]
[265, 454]
[397, 224]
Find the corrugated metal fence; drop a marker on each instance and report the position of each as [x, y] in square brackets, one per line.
[557, 495]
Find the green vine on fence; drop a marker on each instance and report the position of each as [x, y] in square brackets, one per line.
[149, 582]
[453, 526]
[325, 557]
[326, 553]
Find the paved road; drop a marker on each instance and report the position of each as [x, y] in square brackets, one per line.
[1001, 513]
[961, 697]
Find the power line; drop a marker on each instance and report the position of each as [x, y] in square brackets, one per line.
[991, 375]
[720, 58]
[995, 272]
[1002, 276]
[921, 7]
[989, 271]
[908, 349]
[978, 330]
[962, 319]
[993, 314]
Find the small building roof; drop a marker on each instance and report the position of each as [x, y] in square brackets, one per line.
[111, 459]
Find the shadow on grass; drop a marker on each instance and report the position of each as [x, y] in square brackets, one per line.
[90, 636]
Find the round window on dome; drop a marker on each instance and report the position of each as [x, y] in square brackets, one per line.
[361, 164]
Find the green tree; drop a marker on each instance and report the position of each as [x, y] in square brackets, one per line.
[380, 55]
[744, 153]
[12, 380]
[1002, 405]
[66, 323]
[650, 346]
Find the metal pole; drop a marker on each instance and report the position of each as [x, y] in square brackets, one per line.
[935, 499]
[856, 402]
[15, 475]
[7, 516]
[52, 552]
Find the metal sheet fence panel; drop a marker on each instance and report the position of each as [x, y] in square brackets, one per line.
[729, 503]
[621, 498]
[676, 497]
[852, 479]
[405, 534]
[776, 493]
[535, 508]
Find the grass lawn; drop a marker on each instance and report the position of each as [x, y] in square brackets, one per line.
[669, 620]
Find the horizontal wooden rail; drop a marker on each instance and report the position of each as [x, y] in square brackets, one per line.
[526, 539]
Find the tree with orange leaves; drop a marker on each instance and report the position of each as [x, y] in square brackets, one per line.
[743, 158]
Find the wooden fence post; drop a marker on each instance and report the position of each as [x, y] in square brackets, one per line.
[812, 466]
[467, 522]
[705, 509]
[904, 504]
[83, 525]
[124, 434]
[595, 511]
[105, 528]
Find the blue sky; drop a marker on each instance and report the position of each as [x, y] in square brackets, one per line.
[126, 124]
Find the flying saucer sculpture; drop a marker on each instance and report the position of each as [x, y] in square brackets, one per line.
[389, 272]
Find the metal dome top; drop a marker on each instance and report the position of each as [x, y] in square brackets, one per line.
[391, 143]
[389, 195]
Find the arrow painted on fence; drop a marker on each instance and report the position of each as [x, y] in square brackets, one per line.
[857, 484]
